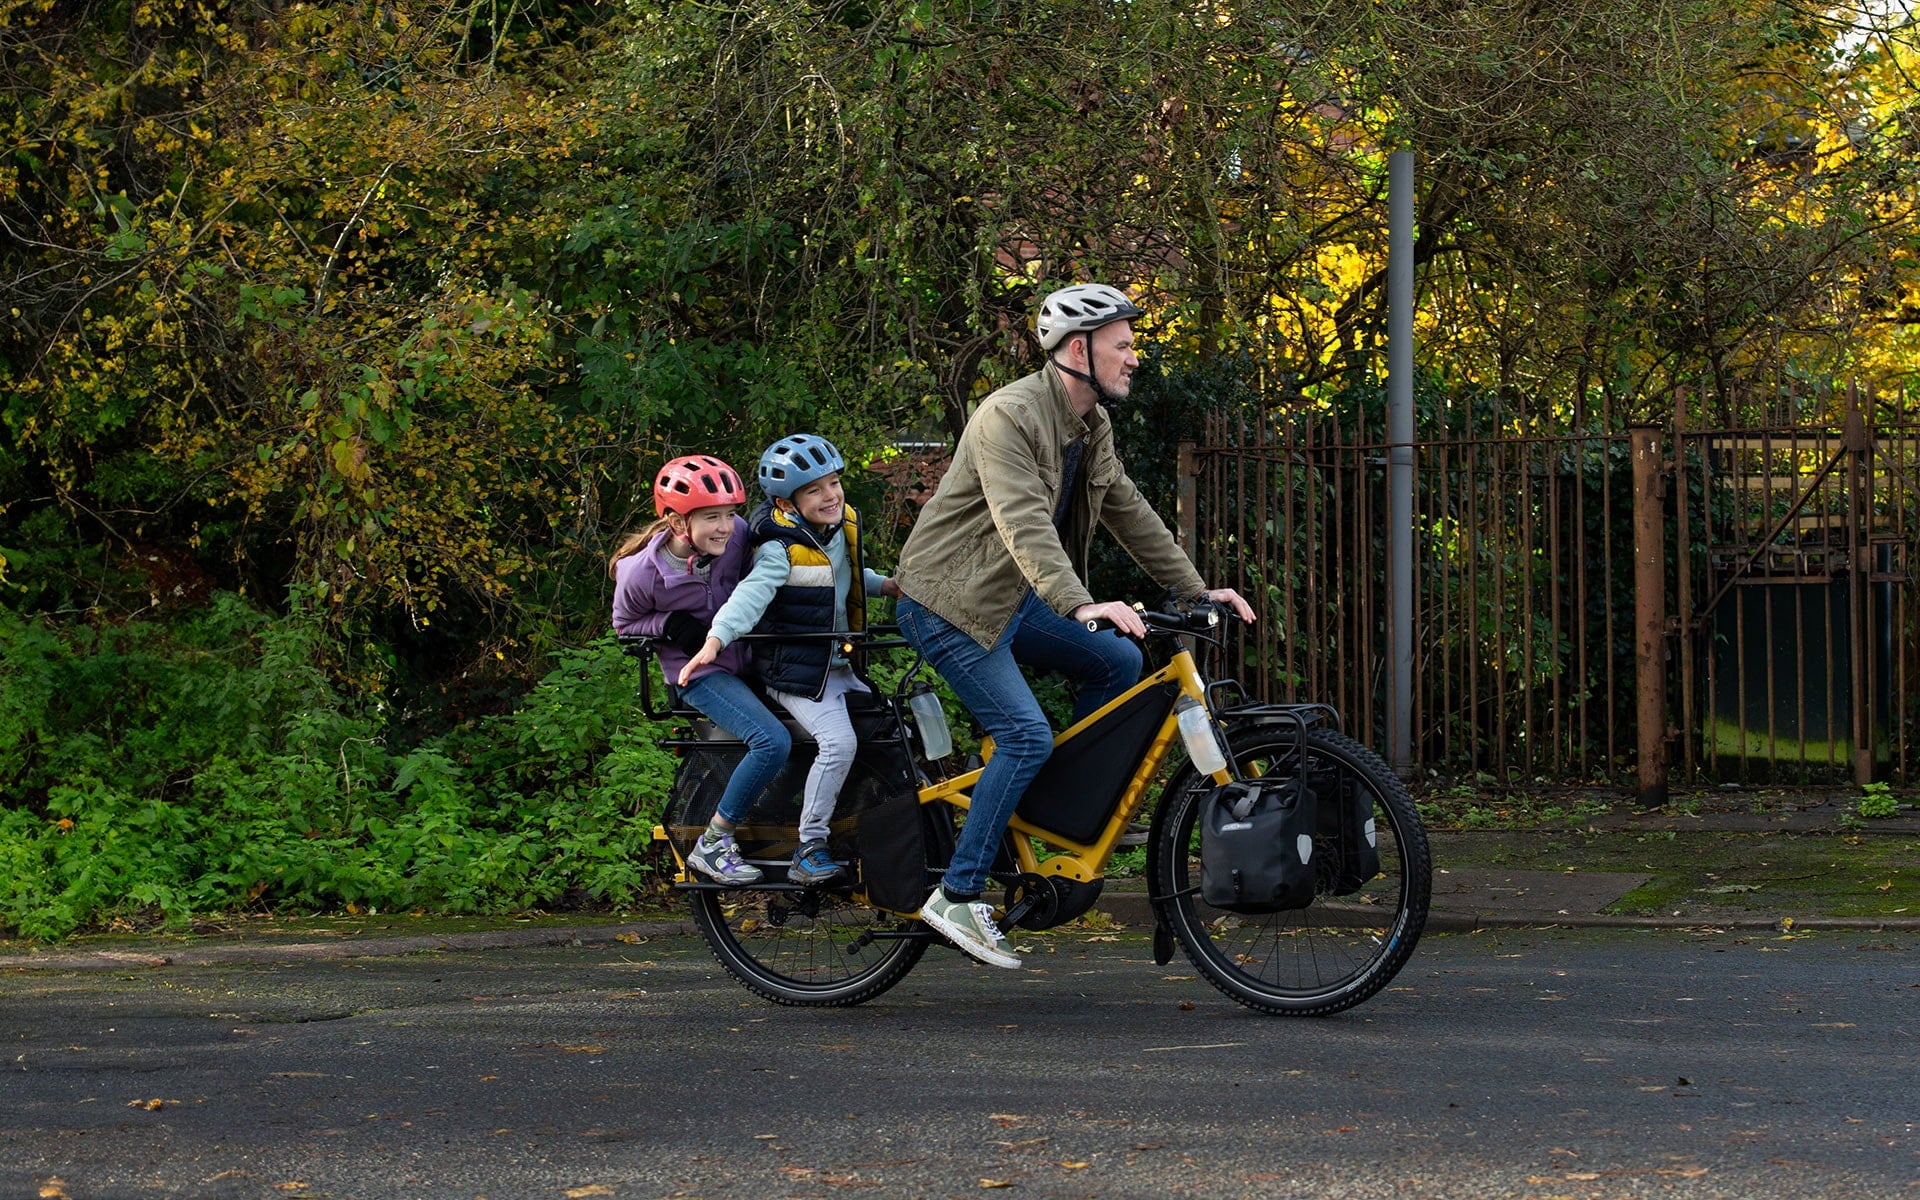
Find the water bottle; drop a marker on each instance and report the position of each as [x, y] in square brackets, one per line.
[931, 720]
[1196, 730]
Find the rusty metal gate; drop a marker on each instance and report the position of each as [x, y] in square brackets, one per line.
[1526, 606]
[1795, 655]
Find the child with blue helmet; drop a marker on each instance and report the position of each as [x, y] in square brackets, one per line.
[807, 577]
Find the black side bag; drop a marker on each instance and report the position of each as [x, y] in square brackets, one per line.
[1256, 846]
[1347, 832]
[893, 853]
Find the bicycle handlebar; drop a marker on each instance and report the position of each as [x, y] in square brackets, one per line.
[879, 636]
[1200, 619]
[870, 637]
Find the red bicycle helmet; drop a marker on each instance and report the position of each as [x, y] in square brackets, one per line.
[696, 481]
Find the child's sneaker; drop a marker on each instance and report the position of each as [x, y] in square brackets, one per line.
[721, 861]
[969, 925]
[812, 864]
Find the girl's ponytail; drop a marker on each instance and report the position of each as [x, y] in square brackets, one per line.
[634, 543]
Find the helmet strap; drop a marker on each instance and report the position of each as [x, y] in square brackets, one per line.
[1107, 399]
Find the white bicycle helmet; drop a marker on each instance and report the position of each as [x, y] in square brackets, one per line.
[1081, 308]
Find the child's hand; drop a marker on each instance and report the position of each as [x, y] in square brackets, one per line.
[707, 654]
[890, 589]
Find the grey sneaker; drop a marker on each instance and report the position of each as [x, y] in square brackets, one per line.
[1135, 834]
[721, 862]
[969, 925]
[812, 864]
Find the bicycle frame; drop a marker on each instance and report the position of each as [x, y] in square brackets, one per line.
[1086, 861]
[1074, 860]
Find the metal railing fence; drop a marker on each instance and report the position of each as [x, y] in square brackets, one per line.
[1525, 599]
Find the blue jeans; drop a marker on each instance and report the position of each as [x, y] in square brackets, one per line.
[730, 703]
[990, 684]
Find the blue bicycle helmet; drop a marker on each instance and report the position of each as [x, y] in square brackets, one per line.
[795, 461]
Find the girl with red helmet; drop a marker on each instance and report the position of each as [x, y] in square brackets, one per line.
[669, 580]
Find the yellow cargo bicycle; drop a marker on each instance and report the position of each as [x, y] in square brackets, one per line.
[1350, 930]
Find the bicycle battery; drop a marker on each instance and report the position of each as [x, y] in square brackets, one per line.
[1256, 846]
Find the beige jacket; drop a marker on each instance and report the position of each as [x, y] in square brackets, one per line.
[988, 535]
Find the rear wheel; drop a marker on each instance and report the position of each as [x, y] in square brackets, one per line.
[816, 947]
[823, 947]
[1339, 950]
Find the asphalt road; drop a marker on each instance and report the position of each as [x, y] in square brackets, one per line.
[1580, 1064]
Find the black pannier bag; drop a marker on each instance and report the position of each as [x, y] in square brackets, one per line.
[1256, 846]
[893, 853]
[1344, 816]
[881, 804]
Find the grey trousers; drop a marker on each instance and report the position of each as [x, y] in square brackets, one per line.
[832, 728]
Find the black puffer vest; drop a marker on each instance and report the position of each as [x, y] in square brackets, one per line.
[804, 603]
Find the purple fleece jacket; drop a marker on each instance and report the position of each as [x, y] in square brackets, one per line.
[647, 586]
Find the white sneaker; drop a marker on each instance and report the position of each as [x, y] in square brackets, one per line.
[721, 862]
[969, 926]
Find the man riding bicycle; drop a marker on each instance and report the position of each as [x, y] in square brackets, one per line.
[994, 574]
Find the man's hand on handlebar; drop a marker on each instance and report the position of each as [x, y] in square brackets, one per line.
[707, 654]
[1231, 599]
[1122, 618]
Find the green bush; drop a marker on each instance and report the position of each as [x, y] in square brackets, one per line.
[207, 764]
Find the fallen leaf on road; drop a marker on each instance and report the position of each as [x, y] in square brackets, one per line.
[291, 1185]
[995, 1183]
[1023, 1144]
[1076, 1166]
[591, 1189]
[631, 939]
[1004, 1118]
[584, 1049]
[154, 1105]
[54, 1189]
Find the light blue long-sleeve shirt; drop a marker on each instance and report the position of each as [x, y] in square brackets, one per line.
[749, 601]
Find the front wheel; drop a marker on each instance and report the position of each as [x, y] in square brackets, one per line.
[1337, 951]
